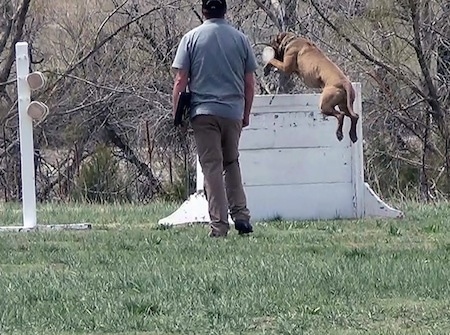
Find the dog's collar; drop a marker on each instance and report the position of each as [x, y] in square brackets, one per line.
[285, 42]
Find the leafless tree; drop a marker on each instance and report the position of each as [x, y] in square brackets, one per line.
[109, 87]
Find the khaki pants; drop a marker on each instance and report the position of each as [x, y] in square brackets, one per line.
[217, 141]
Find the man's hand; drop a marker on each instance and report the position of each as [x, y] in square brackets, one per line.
[245, 121]
[179, 85]
[249, 92]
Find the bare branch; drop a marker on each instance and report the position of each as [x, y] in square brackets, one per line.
[110, 15]
[110, 37]
[19, 19]
[397, 74]
[6, 29]
[9, 82]
[433, 100]
[197, 15]
[270, 14]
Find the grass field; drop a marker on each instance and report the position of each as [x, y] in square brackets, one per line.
[126, 276]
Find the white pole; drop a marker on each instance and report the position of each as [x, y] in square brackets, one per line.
[357, 158]
[26, 82]
[26, 137]
[200, 177]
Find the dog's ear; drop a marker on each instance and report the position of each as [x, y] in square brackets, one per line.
[280, 37]
[276, 42]
[273, 40]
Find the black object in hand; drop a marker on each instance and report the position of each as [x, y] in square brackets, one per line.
[183, 108]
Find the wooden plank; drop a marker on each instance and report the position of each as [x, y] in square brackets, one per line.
[286, 100]
[291, 130]
[293, 118]
[289, 100]
[295, 166]
[285, 109]
[300, 202]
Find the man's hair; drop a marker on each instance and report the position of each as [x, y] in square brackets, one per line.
[214, 9]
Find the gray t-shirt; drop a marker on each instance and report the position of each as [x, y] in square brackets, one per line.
[217, 57]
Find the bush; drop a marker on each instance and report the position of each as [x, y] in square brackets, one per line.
[100, 180]
[182, 186]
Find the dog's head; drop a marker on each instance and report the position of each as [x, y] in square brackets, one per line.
[279, 42]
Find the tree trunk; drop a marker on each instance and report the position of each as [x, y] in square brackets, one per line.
[145, 170]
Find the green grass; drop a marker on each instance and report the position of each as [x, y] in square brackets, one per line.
[126, 276]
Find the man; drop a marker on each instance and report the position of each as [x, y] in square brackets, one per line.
[219, 64]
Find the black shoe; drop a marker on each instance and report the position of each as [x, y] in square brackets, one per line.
[243, 227]
[216, 235]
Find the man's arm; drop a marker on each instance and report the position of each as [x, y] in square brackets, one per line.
[181, 65]
[249, 92]
[249, 88]
[179, 85]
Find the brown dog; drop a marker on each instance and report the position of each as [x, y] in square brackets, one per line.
[299, 55]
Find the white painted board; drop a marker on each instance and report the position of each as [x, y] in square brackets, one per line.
[295, 166]
[292, 130]
[313, 201]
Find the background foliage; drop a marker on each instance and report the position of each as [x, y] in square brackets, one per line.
[109, 135]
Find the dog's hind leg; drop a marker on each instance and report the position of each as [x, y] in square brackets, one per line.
[346, 106]
[354, 120]
[340, 118]
[328, 101]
